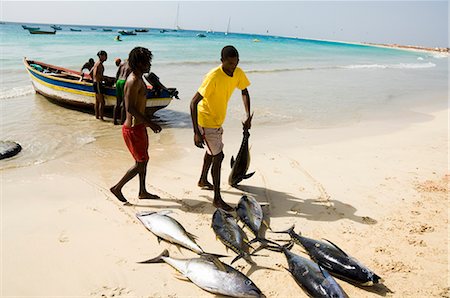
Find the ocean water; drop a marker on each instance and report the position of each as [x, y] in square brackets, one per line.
[310, 83]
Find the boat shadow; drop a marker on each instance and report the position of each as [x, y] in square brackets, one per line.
[173, 119]
[286, 205]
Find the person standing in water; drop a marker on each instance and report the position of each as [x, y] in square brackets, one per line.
[208, 111]
[121, 76]
[99, 89]
[134, 129]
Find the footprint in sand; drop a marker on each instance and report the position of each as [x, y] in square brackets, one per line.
[63, 237]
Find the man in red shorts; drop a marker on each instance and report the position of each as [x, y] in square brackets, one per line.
[134, 129]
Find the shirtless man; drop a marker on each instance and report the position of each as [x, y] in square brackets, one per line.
[97, 72]
[134, 129]
[122, 74]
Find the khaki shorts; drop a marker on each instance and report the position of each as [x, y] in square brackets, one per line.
[213, 139]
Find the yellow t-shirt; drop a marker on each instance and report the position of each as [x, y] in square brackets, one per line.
[216, 90]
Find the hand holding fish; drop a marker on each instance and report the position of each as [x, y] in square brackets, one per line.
[248, 122]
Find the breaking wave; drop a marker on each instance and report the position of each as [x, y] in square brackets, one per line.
[6, 93]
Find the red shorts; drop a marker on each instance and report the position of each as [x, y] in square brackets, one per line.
[136, 138]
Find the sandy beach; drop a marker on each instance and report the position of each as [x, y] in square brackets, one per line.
[378, 189]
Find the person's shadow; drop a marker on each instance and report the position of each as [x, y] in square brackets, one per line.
[282, 204]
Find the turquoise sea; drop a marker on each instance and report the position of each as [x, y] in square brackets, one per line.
[311, 83]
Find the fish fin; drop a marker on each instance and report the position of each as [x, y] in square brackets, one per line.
[208, 255]
[165, 212]
[232, 161]
[214, 259]
[288, 231]
[264, 222]
[236, 258]
[248, 175]
[192, 236]
[158, 259]
[337, 247]
[324, 272]
[144, 213]
[179, 248]
[181, 277]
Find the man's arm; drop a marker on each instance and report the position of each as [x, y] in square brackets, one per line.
[198, 139]
[246, 100]
[131, 94]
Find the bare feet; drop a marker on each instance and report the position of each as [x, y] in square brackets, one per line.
[205, 185]
[148, 196]
[219, 203]
[118, 194]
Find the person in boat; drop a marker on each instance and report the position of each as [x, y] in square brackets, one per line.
[134, 129]
[208, 111]
[99, 84]
[121, 76]
[87, 68]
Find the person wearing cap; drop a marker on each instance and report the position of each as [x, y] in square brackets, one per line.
[98, 78]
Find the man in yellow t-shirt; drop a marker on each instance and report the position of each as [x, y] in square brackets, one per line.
[208, 111]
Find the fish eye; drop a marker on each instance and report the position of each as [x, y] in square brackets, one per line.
[364, 270]
[248, 282]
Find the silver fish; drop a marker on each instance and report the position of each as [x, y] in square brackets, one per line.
[231, 235]
[240, 166]
[222, 280]
[166, 228]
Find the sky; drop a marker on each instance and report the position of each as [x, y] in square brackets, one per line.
[423, 23]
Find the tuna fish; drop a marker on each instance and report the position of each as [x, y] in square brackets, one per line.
[231, 235]
[335, 260]
[250, 212]
[207, 275]
[240, 166]
[166, 228]
[314, 280]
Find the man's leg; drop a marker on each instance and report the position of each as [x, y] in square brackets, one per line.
[143, 194]
[117, 189]
[203, 181]
[96, 106]
[216, 167]
[101, 107]
[117, 110]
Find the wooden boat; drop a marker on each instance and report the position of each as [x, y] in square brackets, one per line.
[30, 28]
[41, 32]
[62, 86]
[75, 30]
[127, 32]
[141, 30]
[56, 27]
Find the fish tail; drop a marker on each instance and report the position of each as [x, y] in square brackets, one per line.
[158, 259]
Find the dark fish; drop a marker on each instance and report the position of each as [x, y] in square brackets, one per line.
[335, 260]
[251, 214]
[314, 280]
[231, 235]
[9, 149]
[206, 274]
[240, 166]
